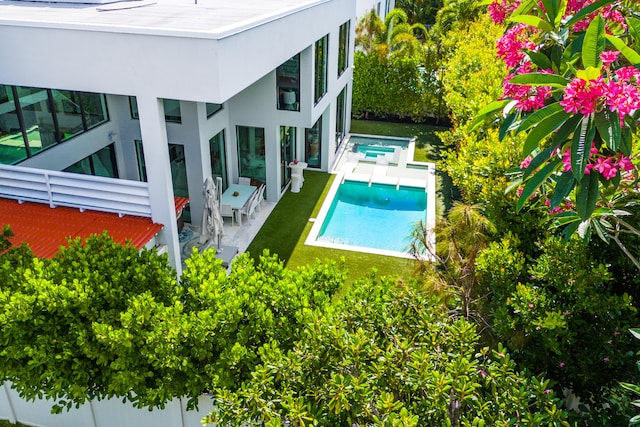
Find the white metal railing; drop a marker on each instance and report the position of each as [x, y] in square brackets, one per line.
[85, 192]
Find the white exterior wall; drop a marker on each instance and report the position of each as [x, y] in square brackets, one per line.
[236, 69]
[100, 413]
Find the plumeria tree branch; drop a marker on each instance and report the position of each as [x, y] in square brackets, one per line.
[574, 89]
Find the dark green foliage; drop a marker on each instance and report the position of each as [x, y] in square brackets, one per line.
[395, 87]
[51, 311]
[387, 355]
[560, 315]
[101, 320]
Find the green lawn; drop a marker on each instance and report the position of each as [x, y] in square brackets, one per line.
[287, 227]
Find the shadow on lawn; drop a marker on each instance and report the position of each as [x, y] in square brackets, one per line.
[285, 225]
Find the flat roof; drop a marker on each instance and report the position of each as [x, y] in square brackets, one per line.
[192, 18]
[46, 229]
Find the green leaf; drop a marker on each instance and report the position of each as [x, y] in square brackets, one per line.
[525, 7]
[587, 194]
[586, 11]
[580, 146]
[634, 28]
[600, 231]
[538, 115]
[543, 129]
[635, 332]
[488, 111]
[551, 9]
[626, 141]
[564, 185]
[508, 124]
[566, 130]
[539, 79]
[593, 43]
[535, 182]
[608, 126]
[560, 13]
[540, 59]
[632, 56]
[541, 158]
[532, 21]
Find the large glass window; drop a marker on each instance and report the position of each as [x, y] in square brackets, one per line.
[320, 64]
[251, 153]
[287, 153]
[142, 167]
[38, 119]
[288, 84]
[94, 108]
[212, 109]
[32, 119]
[12, 146]
[171, 109]
[68, 113]
[341, 116]
[100, 163]
[343, 48]
[313, 138]
[218, 158]
[178, 164]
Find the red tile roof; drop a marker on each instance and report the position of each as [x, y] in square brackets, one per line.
[46, 229]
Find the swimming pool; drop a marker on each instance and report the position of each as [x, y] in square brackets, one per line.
[374, 218]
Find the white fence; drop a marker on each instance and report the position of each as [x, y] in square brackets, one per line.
[102, 413]
[97, 193]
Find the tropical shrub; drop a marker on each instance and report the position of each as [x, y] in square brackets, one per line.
[394, 74]
[51, 311]
[388, 355]
[101, 320]
[560, 315]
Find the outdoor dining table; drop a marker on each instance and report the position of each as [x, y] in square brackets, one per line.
[238, 201]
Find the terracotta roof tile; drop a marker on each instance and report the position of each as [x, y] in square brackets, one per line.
[46, 229]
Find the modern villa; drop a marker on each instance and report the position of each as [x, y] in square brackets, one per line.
[127, 107]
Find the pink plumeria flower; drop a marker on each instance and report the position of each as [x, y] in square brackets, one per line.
[608, 57]
[525, 163]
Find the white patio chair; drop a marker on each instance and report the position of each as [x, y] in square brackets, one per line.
[243, 180]
[260, 197]
[249, 207]
[227, 211]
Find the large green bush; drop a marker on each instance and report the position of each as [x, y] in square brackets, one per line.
[100, 320]
[388, 355]
[560, 315]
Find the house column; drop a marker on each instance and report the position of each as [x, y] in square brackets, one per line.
[156, 154]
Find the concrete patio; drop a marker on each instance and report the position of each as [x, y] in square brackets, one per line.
[234, 236]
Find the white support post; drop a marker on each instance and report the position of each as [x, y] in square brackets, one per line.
[156, 154]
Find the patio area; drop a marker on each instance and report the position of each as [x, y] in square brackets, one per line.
[234, 236]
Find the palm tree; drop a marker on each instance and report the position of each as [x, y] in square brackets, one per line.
[369, 31]
[455, 12]
[395, 36]
[460, 238]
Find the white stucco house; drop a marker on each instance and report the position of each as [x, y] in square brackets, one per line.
[153, 96]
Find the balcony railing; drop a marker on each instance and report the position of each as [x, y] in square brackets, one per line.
[85, 192]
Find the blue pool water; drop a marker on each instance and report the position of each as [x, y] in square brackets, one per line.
[378, 217]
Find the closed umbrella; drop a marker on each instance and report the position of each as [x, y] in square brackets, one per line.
[212, 225]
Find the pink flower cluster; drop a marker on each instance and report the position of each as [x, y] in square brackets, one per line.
[513, 43]
[499, 10]
[581, 96]
[527, 97]
[607, 166]
[620, 93]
